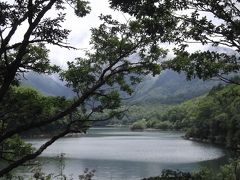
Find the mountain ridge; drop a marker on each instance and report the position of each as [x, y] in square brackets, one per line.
[167, 88]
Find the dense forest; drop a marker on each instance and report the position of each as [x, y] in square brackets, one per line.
[213, 117]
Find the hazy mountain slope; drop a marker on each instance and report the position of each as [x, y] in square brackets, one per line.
[167, 88]
[170, 87]
[49, 85]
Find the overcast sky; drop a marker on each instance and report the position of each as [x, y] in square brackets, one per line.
[80, 34]
[80, 31]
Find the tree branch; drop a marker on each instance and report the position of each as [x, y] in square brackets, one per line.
[33, 155]
[10, 75]
[226, 80]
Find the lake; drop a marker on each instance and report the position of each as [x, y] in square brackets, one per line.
[117, 153]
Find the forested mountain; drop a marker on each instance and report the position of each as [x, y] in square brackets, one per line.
[213, 117]
[216, 116]
[167, 88]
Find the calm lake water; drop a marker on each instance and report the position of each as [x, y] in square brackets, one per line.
[117, 153]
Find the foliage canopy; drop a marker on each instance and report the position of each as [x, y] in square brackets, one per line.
[184, 22]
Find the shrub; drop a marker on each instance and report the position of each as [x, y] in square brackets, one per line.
[139, 125]
[163, 125]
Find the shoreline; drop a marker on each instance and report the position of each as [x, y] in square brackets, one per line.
[205, 141]
[208, 141]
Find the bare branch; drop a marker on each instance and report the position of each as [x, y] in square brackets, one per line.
[226, 80]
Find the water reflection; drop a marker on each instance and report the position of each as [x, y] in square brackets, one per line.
[120, 154]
